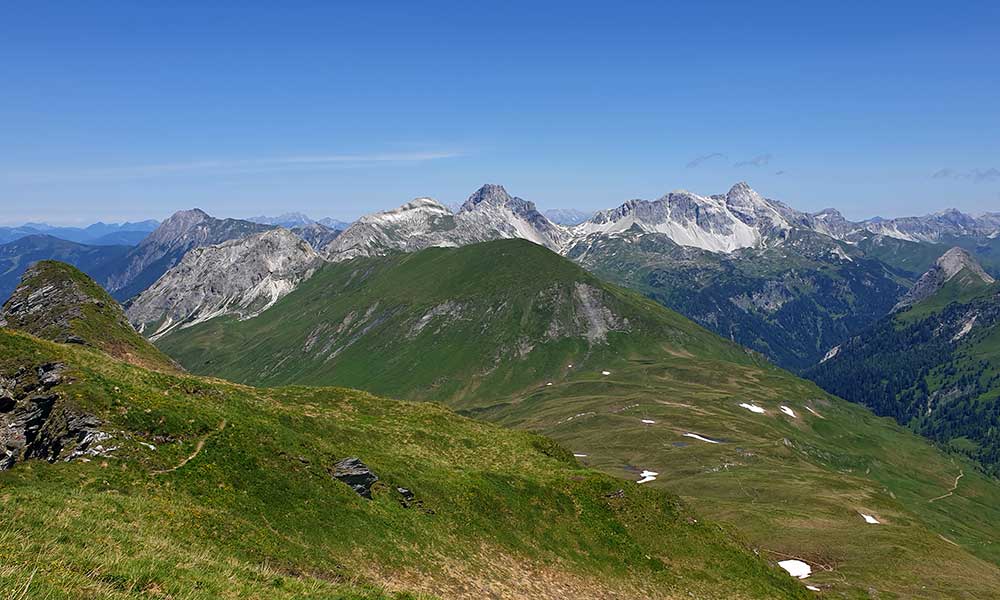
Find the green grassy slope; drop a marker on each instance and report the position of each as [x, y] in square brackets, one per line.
[795, 486]
[220, 490]
[58, 302]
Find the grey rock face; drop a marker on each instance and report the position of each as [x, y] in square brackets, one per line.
[317, 234]
[165, 246]
[950, 264]
[356, 474]
[241, 277]
[35, 424]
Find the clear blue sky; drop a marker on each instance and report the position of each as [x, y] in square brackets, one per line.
[128, 110]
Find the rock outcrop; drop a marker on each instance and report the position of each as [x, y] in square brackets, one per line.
[36, 424]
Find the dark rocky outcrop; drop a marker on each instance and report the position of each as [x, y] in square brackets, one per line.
[36, 424]
[356, 474]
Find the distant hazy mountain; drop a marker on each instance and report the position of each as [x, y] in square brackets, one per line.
[286, 220]
[18, 255]
[97, 234]
[334, 223]
[567, 216]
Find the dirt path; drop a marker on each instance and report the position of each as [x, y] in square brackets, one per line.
[197, 450]
[961, 473]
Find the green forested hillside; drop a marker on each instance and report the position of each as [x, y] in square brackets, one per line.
[934, 367]
[501, 332]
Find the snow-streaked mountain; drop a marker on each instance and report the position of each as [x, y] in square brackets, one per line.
[490, 213]
[741, 218]
[241, 277]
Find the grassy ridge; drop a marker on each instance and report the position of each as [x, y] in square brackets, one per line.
[58, 302]
[236, 500]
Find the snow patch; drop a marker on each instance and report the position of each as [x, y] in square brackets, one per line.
[809, 408]
[648, 421]
[647, 476]
[753, 408]
[869, 519]
[833, 352]
[605, 373]
[796, 568]
[788, 411]
[701, 437]
[580, 455]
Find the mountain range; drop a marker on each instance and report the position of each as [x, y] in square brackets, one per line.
[98, 234]
[786, 283]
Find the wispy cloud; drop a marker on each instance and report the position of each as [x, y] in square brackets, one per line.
[227, 166]
[757, 161]
[698, 160]
[977, 175]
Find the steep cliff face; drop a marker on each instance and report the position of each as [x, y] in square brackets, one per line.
[241, 277]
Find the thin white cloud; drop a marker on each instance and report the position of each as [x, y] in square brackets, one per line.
[977, 175]
[757, 161]
[252, 165]
[698, 160]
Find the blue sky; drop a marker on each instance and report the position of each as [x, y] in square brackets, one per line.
[125, 110]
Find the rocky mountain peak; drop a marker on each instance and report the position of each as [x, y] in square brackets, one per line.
[955, 260]
[950, 264]
[490, 194]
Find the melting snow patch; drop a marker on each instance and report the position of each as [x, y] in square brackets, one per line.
[788, 411]
[605, 372]
[812, 588]
[753, 408]
[580, 455]
[150, 446]
[647, 476]
[814, 412]
[702, 438]
[549, 383]
[869, 519]
[569, 366]
[648, 421]
[796, 568]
